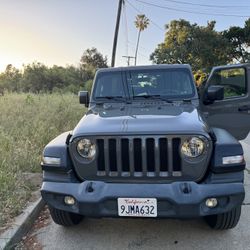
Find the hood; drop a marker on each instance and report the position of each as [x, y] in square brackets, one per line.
[141, 119]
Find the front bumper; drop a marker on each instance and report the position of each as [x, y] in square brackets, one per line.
[178, 199]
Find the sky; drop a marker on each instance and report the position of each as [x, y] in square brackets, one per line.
[58, 31]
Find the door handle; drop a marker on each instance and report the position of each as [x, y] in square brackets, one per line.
[244, 108]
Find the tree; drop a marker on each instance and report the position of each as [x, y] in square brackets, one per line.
[35, 78]
[10, 79]
[200, 46]
[141, 23]
[239, 39]
[90, 61]
[93, 58]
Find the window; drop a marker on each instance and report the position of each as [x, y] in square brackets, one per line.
[109, 84]
[172, 83]
[233, 81]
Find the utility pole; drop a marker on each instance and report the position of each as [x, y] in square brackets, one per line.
[128, 59]
[121, 2]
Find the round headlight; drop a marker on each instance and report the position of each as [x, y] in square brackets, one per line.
[193, 147]
[86, 148]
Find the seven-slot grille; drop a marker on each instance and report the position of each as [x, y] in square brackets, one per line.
[152, 156]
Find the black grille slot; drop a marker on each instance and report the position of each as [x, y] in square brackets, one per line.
[112, 155]
[150, 145]
[125, 155]
[137, 155]
[100, 160]
[163, 144]
[176, 154]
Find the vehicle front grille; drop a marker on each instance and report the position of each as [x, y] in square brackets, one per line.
[145, 156]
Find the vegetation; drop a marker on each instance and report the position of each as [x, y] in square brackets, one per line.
[30, 118]
[38, 78]
[202, 46]
[239, 40]
[28, 123]
[200, 77]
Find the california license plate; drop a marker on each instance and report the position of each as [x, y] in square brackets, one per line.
[137, 207]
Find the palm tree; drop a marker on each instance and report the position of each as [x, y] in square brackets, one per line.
[141, 23]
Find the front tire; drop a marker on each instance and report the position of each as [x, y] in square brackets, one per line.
[64, 218]
[224, 221]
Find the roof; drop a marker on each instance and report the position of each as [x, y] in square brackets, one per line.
[144, 67]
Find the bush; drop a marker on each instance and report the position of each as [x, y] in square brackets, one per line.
[200, 77]
[88, 85]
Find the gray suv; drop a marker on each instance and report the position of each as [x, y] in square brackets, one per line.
[150, 145]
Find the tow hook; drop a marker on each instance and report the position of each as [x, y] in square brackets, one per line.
[186, 188]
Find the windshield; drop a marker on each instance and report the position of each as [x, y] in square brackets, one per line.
[168, 83]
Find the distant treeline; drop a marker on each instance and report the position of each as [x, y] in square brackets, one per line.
[37, 77]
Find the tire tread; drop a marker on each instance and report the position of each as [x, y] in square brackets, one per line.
[64, 218]
[224, 221]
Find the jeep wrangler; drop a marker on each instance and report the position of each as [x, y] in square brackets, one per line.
[151, 146]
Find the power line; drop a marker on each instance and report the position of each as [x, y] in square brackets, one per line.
[147, 57]
[141, 47]
[208, 5]
[143, 55]
[187, 11]
[139, 12]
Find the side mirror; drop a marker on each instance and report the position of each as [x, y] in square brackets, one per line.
[84, 98]
[214, 93]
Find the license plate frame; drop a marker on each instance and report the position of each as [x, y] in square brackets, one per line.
[137, 207]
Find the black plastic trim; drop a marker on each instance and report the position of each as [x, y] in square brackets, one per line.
[225, 145]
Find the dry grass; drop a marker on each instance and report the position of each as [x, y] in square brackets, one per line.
[27, 123]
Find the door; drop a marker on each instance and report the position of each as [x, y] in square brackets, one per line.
[233, 111]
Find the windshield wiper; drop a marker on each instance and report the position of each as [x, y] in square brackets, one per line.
[115, 98]
[109, 97]
[153, 97]
[146, 96]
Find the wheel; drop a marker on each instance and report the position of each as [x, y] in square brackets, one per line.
[64, 218]
[224, 221]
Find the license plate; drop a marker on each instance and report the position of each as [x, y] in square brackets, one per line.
[137, 207]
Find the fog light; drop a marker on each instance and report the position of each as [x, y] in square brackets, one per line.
[211, 202]
[69, 200]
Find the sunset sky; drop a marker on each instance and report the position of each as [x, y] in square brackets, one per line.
[58, 31]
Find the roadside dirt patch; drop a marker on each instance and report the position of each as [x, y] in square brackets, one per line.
[30, 240]
[26, 193]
